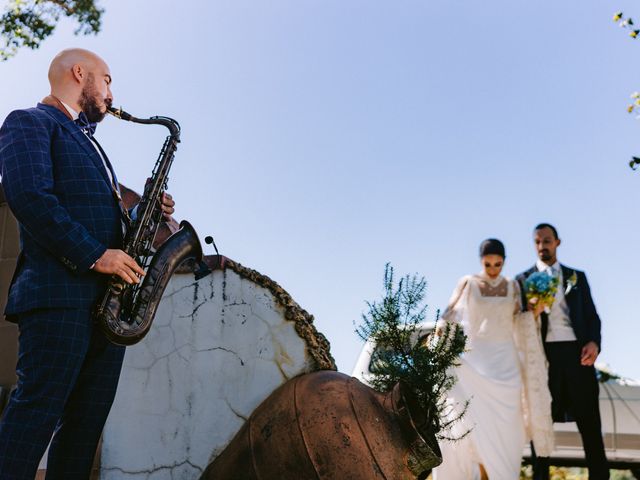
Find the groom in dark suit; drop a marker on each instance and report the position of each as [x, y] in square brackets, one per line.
[64, 193]
[571, 336]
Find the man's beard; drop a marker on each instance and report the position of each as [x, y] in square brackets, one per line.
[545, 255]
[89, 103]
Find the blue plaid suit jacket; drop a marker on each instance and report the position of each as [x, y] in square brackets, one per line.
[57, 187]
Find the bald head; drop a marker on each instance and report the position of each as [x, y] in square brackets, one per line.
[82, 80]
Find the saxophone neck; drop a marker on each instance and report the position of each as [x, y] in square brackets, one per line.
[170, 123]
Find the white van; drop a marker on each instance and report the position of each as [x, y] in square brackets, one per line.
[619, 409]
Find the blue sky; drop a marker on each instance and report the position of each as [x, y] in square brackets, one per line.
[322, 139]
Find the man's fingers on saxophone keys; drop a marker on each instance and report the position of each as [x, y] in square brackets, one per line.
[135, 268]
[130, 271]
[117, 262]
[127, 276]
[168, 205]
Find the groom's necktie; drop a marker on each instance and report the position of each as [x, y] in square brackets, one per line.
[556, 273]
[544, 316]
[551, 272]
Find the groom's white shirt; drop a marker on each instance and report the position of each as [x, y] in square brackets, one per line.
[559, 329]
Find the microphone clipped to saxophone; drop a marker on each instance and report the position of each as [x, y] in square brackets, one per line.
[126, 311]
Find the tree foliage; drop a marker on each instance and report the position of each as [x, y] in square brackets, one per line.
[629, 24]
[26, 23]
[422, 364]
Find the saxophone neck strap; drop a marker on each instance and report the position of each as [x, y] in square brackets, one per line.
[53, 101]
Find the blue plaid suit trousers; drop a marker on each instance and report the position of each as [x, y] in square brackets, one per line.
[67, 378]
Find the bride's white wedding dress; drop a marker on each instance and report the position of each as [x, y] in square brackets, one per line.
[503, 376]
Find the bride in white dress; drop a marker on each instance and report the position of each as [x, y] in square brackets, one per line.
[502, 375]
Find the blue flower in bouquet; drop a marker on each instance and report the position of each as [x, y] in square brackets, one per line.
[541, 287]
[540, 282]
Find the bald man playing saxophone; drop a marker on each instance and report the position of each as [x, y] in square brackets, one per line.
[64, 193]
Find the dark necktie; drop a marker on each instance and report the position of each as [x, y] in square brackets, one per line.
[87, 127]
[544, 316]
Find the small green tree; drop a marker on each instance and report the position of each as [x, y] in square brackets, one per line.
[422, 364]
[26, 23]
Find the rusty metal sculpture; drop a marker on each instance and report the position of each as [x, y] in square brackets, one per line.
[329, 426]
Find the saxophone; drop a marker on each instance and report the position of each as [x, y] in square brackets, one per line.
[126, 311]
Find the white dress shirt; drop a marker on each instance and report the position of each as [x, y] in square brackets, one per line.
[559, 328]
[74, 116]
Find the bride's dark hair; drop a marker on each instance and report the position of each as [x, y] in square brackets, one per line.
[492, 246]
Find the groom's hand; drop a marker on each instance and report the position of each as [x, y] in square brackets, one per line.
[589, 354]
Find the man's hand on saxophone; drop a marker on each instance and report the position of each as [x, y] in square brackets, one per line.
[116, 262]
[167, 206]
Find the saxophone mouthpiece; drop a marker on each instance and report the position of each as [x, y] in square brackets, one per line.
[119, 113]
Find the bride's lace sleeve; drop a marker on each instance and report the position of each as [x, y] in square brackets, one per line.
[517, 293]
[453, 312]
[533, 362]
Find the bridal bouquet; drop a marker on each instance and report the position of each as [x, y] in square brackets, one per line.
[541, 287]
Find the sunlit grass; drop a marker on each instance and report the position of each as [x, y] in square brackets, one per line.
[565, 473]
